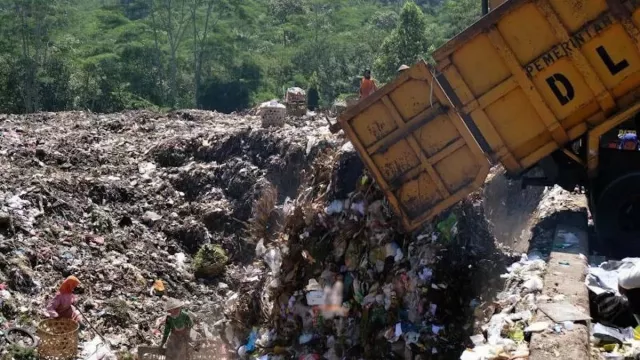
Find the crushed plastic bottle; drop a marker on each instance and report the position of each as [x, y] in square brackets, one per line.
[273, 258]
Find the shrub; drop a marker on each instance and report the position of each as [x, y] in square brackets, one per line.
[210, 261]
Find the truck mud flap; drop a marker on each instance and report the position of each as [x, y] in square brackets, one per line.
[416, 146]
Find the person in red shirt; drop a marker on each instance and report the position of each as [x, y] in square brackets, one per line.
[367, 86]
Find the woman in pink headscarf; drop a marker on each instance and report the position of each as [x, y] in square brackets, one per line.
[61, 304]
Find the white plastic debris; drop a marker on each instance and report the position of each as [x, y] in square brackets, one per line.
[483, 352]
[273, 258]
[305, 338]
[494, 331]
[537, 327]
[336, 207]
[533, 284]
[478, 339]
[260, 248]
[315, 298]
[96, 349]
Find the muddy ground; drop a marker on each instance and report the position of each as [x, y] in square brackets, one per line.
[121, 200]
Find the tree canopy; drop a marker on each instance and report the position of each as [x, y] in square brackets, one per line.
[225, 55]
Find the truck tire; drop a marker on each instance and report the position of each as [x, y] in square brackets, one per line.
[617, 215]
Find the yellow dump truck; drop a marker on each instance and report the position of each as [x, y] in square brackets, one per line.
[552, 84]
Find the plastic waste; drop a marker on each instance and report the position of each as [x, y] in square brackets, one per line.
[477, 340]
[495, 327]
[533, 284]
[392, 249]
[273, 258]
[335, 207]
[242, 351]
[516, 334]
[483, 352]
[251, 341]
[448, 227]
[96, 349]
[358, 207]
[260, 248]
[305, 338]
[534, 255]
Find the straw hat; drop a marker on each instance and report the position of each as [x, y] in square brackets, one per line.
[172, 304]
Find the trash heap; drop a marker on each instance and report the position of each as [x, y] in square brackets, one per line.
[276, 238]
[125, 200]
[342, 282]
[613, 341]
[508, 320]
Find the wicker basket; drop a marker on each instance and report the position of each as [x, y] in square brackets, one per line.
[273, 116]
[58, 339]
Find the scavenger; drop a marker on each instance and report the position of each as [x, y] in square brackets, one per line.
[61, 306]
[177, 332]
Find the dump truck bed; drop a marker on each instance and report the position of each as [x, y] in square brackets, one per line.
[416, 146]
[533, 75]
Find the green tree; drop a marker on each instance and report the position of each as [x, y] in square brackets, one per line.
[406, 44]
[457, 15]
[171, 18]
[31, 24]
[217, 54]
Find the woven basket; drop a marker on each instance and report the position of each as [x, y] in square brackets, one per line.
[58, 339]
[273, 116]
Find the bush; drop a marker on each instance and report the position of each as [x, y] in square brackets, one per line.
[19, 353]
[210, 261]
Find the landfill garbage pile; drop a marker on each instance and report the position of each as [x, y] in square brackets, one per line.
[276, 238]
[127, 202]
[507, 321]
[339, 280]
[612, 341]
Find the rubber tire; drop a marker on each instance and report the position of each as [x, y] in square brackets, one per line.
[610, 199]
[27, 333]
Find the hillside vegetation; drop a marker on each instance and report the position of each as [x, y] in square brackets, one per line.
[225, 55]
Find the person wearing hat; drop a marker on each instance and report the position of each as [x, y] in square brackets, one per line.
[621, 310]
[367, 85]
[177, 331]
[402, 68]
[61, 306]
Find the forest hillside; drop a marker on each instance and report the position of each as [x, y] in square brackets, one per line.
[225, 55]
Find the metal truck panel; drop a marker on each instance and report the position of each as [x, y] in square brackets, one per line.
[416, 146]
[536, 74]
[493, 4]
